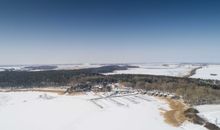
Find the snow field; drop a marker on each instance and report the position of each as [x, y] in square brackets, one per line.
[48, 111]
[207, 72]
[210, 112]
[178, 70]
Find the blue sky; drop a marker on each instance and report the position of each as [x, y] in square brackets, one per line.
[104, 31]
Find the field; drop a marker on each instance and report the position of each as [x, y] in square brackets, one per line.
[208, 72]
[47, 67]
[203, 71]
[179, 70]
[49, 111]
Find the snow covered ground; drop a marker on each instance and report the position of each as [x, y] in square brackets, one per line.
[178, 70]
[11, 67]
[208, 72]
[58, 67]
[77, 66]
[210, 112]
[48, 111]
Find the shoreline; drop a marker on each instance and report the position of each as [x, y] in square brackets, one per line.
[59, 91]
[175, 116]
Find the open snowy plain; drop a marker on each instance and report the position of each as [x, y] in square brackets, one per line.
[47, 67]
[49, 111]
[208, 72]
[202, 71]
[179, 70]
[205, 71]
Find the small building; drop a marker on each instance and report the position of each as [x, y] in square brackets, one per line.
[101, 88]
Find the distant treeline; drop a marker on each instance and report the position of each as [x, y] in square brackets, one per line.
[52, 77]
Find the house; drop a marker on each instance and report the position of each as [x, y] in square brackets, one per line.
[101, 88]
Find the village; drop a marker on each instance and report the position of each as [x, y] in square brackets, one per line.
[116, 89]
[112, 91]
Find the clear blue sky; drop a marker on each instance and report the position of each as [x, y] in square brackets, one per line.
[104, 31]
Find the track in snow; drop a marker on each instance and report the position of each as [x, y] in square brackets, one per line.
[119, 100]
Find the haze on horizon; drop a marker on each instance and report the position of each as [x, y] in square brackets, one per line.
[109, 31]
